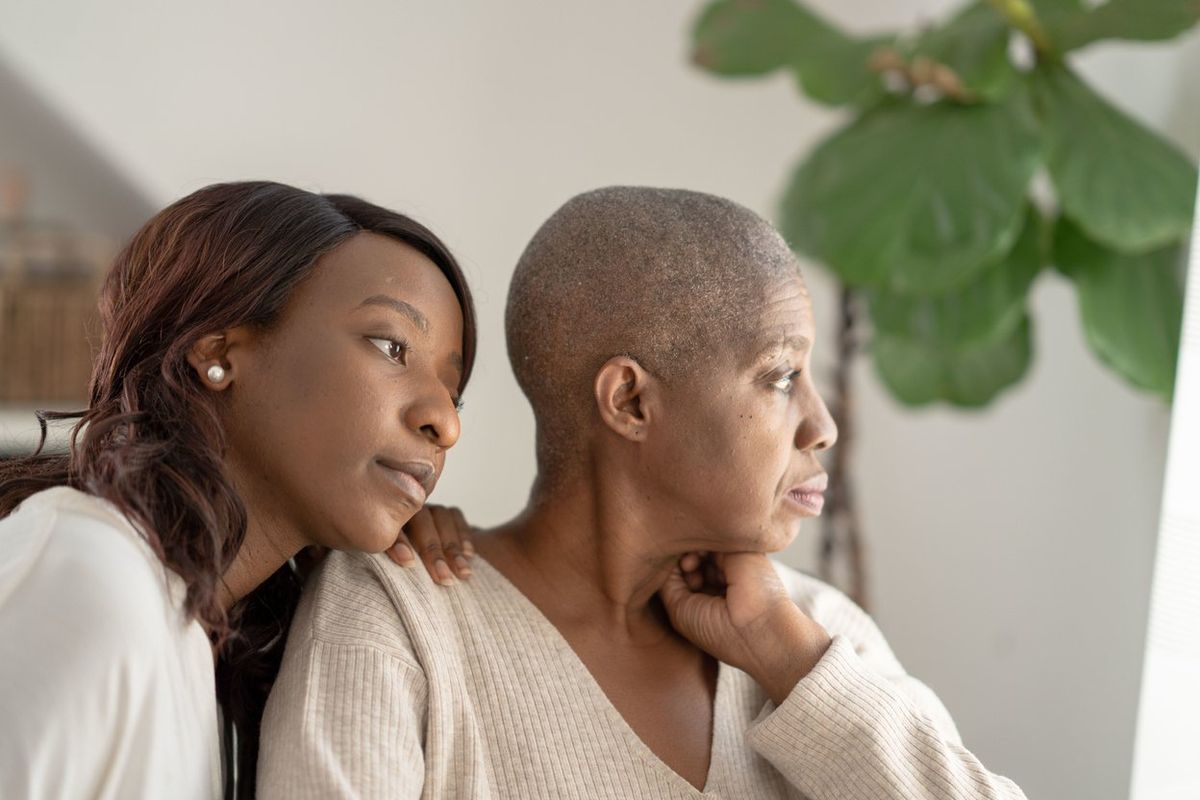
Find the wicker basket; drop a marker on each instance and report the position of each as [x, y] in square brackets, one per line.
[45, 353]
[49, 278]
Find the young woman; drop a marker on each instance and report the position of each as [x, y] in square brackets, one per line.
[277, 369]
[664, 341]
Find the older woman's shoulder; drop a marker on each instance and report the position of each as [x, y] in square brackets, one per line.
[839, 615]
[355, 598]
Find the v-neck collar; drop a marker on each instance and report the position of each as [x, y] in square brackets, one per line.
[603, 706]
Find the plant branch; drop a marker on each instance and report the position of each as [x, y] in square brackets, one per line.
[841, 516]
[1020, 15]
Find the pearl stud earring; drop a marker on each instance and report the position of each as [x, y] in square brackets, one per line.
[216, 373]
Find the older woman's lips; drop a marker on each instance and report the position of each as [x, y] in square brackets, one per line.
[810, 495]
[810, 500]
[411, 478]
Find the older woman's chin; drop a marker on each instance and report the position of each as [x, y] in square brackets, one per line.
[782, 541]
[772, 540]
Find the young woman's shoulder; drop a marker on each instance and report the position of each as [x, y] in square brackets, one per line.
[98, 662]
[71, 563]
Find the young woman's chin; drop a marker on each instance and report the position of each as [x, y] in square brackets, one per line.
[370, 525]
[385, 508]
[377, 534]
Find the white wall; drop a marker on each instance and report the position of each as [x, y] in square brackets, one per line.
[1010, 550]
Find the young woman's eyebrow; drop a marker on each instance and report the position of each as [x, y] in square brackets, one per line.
[400, 307]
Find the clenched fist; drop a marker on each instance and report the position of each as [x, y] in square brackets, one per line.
[734, 607]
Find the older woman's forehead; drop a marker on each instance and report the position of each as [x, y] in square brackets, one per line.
[780, 327]
[785, 305]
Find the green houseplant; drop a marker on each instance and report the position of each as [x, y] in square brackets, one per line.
[973, 158]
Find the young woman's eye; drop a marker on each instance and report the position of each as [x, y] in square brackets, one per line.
[395, 350]
[784, 383]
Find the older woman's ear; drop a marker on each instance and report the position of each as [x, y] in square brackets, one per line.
[626, 397]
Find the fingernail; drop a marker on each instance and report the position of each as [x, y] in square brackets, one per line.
[468, 548]
[463, 567]
[441, 571]
[405, 554]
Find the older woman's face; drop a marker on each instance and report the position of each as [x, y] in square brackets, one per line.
[340, 417]
[739, 455]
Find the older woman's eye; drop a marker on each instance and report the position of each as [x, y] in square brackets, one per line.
[785, 383]
[393, 349]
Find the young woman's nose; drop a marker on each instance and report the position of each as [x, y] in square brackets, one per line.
[433, 415]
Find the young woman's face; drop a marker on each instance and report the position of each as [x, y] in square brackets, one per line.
[739, 454]
[340, 416]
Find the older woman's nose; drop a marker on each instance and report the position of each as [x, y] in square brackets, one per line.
[817, 429]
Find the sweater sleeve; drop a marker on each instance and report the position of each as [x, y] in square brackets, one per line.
[343, 720]
[858, 726]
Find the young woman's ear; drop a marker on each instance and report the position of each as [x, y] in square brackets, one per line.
[213, 357]
[207, 357]
[625, 397]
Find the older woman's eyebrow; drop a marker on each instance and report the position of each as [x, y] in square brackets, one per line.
[400, 307]
[778, 346]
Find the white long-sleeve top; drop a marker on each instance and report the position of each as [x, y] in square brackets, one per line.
[393, 687]
[106, 689]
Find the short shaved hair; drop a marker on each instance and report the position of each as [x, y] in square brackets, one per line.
[665, 276]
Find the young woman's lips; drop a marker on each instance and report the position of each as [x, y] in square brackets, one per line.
[413, 478]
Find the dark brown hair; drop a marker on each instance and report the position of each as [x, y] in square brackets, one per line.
[150, 441]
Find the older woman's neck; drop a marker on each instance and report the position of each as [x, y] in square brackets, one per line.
[595, 546]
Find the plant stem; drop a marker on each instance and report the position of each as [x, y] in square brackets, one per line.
[841, 516]
[1021, 16]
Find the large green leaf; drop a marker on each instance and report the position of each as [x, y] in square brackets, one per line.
[921, 198]
[750, 37]
[918, 373]
[1052, 15]
[1140, 20]
[982, 310]
[1125, 185]
[1131, 305]
[835, 70]
[974, 44]
[754, 37]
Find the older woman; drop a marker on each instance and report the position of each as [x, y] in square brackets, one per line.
[663, 339]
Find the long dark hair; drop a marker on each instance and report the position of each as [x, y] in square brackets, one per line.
[150, 441]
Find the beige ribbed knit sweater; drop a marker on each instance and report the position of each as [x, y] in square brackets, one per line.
[393, 687]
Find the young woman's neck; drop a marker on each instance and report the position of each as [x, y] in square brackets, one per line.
[271, 539]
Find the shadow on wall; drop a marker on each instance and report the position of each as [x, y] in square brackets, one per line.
[64, 209]
[71, 181]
